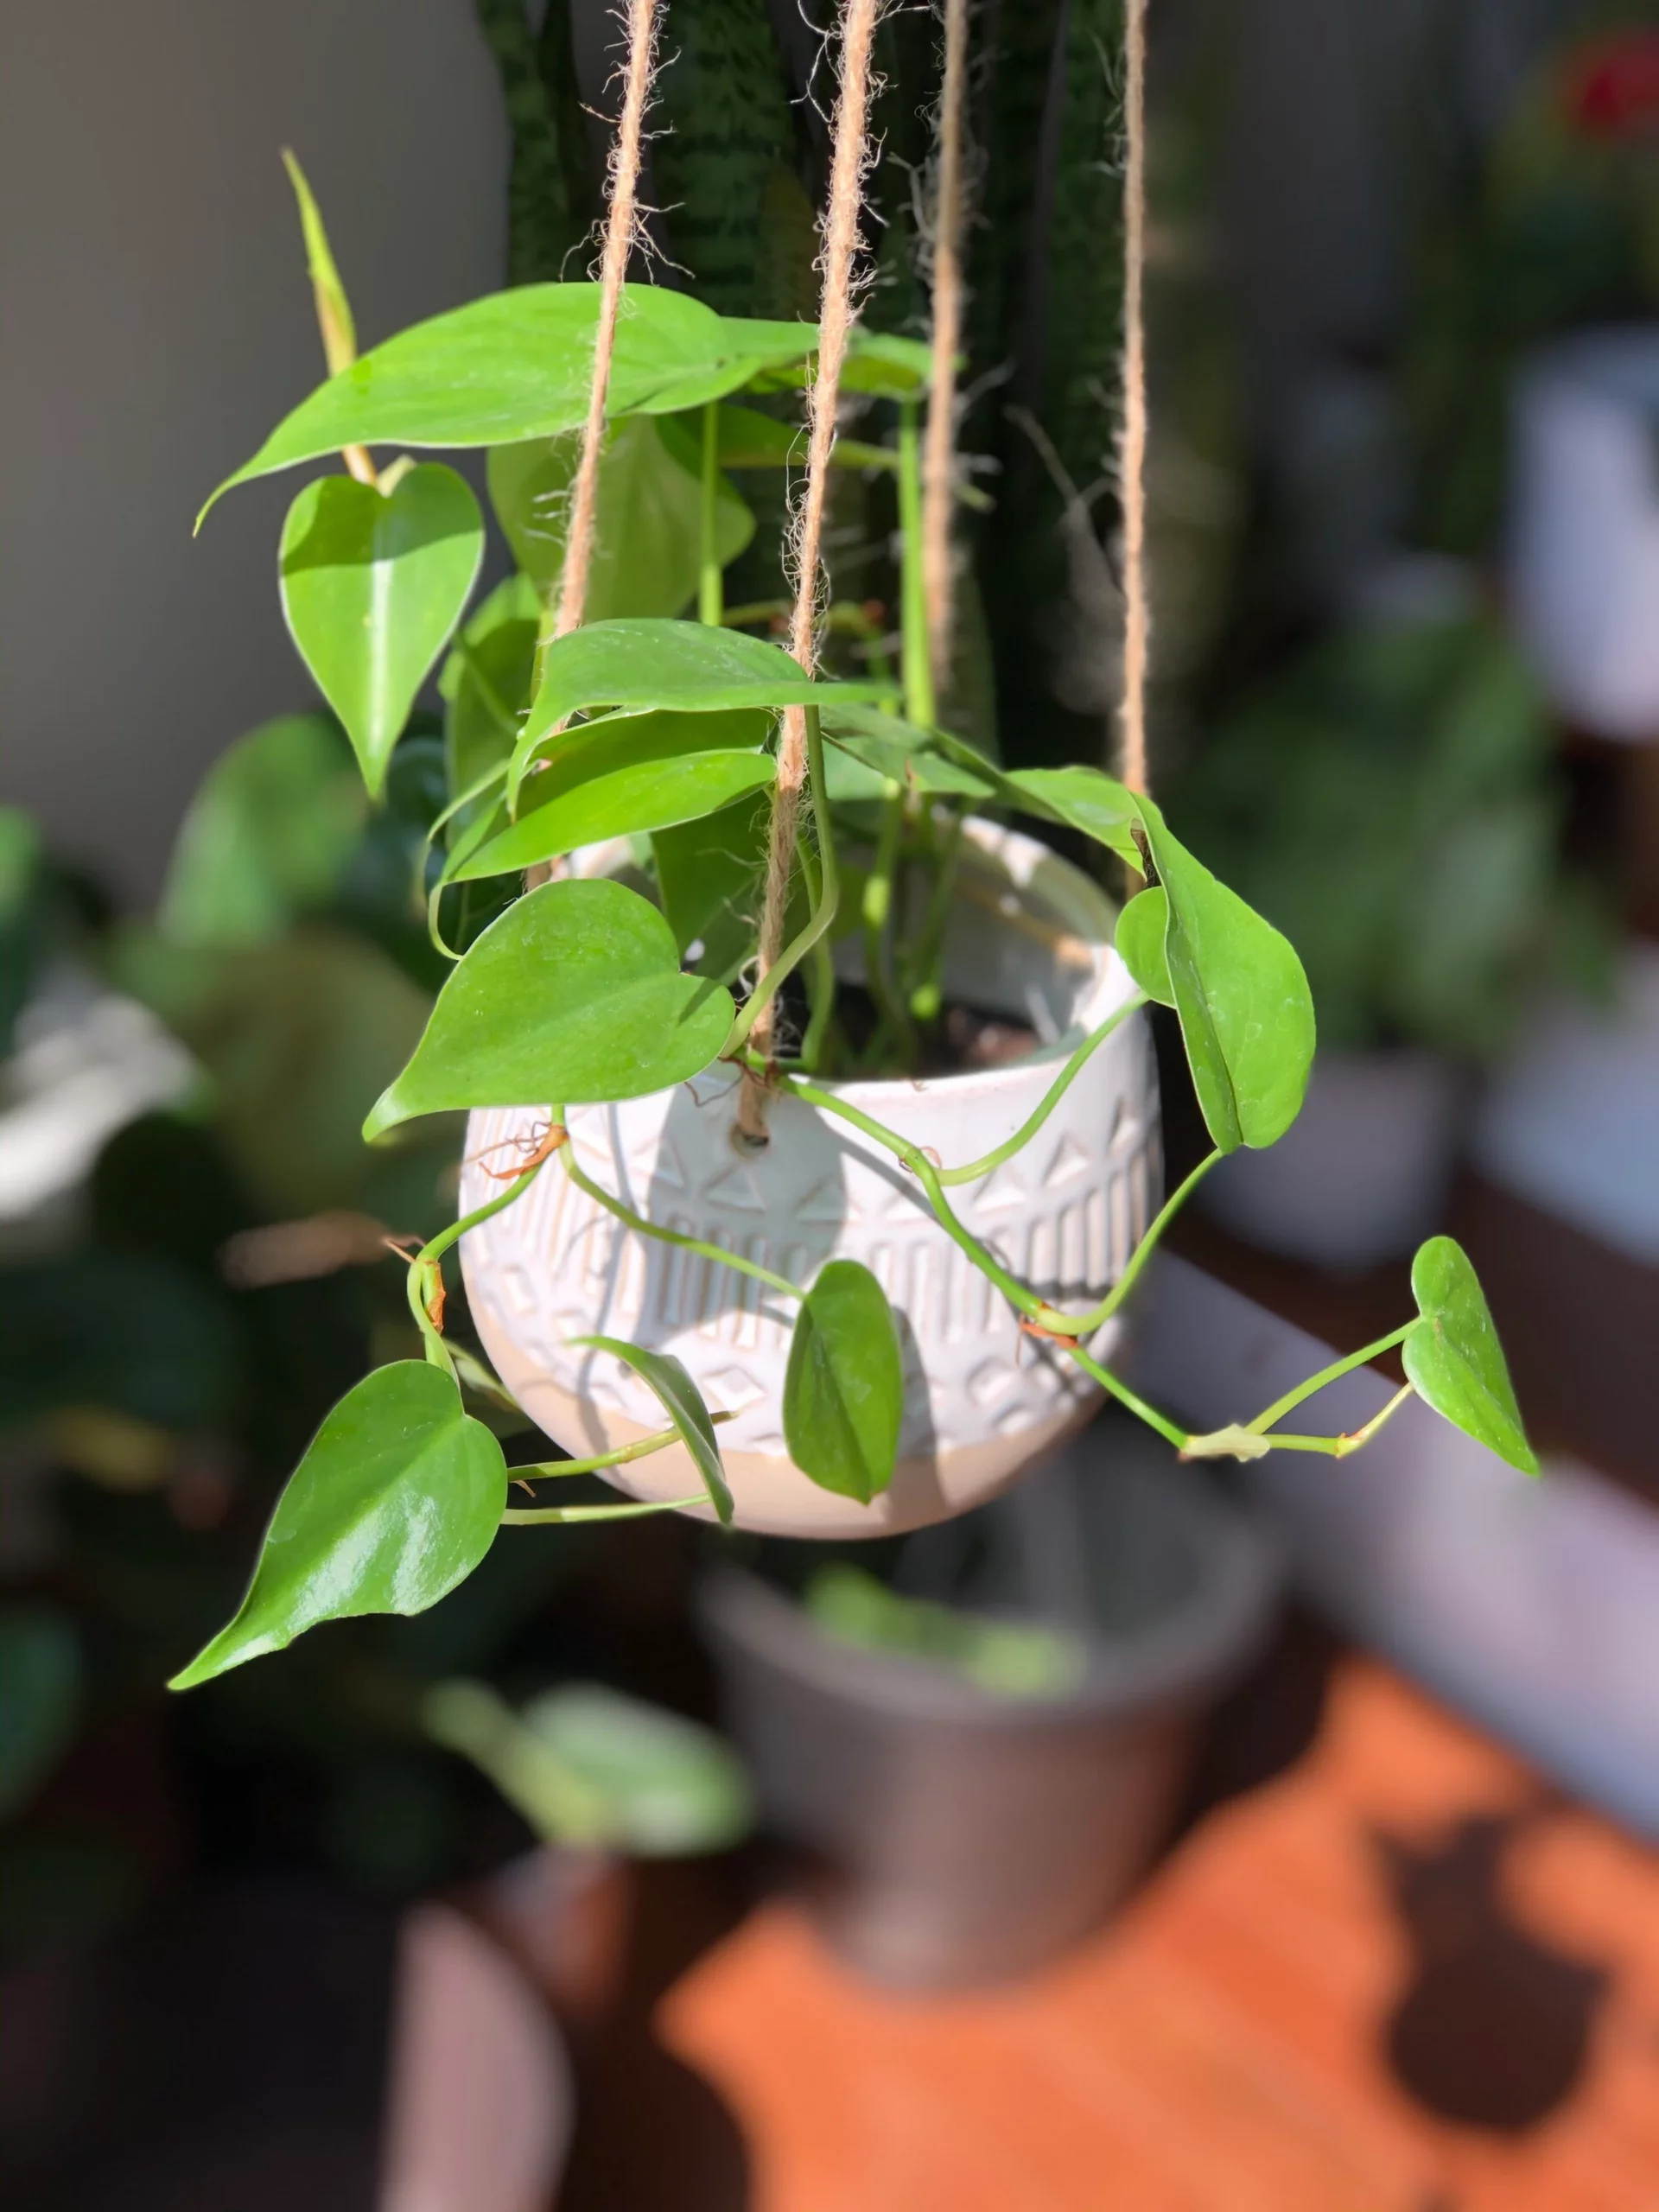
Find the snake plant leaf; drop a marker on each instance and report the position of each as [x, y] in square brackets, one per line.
[844, 1386]
[623, 776]
[1139, 940]
[516, 365]
[649, 666]
[396, 1500]
[1452, 1358]
[574, 994]
[268, 837]
[646, 531]
[667, 1380]
[373, 584]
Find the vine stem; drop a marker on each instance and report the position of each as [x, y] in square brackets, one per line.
[842, 244]
[1084, 1324]
[527, 1516]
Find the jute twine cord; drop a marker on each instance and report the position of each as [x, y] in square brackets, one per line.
[850, 160]
[621, 226]
[938, 574]
[1132, 453]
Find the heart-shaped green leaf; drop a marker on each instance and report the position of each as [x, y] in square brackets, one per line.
[518, 365]
[267, 838]
[646, 550]
[1453, 1359]
[667, 1380]
[486, 685]
[844, 1387]
[1139, 940]
[649, 666]
[396, 1500]
[1246, 1012]
[709, 879]
[373, 585]
[573, 995]
[620, 777]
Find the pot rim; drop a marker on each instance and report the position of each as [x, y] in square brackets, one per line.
[1183, 1657]
[1088, 910]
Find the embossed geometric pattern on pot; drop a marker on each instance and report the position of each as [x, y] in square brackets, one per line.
[1030, 939]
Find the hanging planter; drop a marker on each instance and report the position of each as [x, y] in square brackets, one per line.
[982, 1398]
[733, 1242]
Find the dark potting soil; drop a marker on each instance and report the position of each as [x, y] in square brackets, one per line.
[961, 1040]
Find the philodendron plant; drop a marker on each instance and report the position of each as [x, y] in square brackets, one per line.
[570, 989]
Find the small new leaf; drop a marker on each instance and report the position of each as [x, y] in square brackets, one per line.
[1453, 1359]
[844, 1387]
[1140, 942]
[396, 1500]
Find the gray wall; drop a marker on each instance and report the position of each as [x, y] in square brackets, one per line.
[155, 321]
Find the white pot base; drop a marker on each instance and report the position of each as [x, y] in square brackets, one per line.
[983, 1399]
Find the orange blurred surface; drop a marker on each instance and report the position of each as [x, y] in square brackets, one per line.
[1398, 1978]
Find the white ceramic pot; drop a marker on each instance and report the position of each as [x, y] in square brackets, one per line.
[1030, 938]
[1585, 527]
[1361, 1175]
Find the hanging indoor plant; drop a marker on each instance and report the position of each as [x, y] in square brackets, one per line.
[719, 1053]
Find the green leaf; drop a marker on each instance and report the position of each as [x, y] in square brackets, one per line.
[757, 353]
[646, 666]
[709, 878]
[844, 1387]
[300, 1036]
[749, 439]
[486, 686]
[575, 994]
[397, 1500]
[588, 1767]
[268, 836]
[900, 753]
[1102, 808]
[1453, 1359]
[334, 308]
[645, 551]
[515, 364]
[667, 1380]
[1246, 1012]
[373, 585]
[620, 777]
[40, 1698]
[1139, 940]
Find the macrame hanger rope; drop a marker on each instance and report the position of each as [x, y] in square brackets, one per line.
[937, 489]
[621, 227]
[1132, 451]
[842, 244]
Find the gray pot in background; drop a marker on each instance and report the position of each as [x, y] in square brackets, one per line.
[963, 1837]
[1361, 1175]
